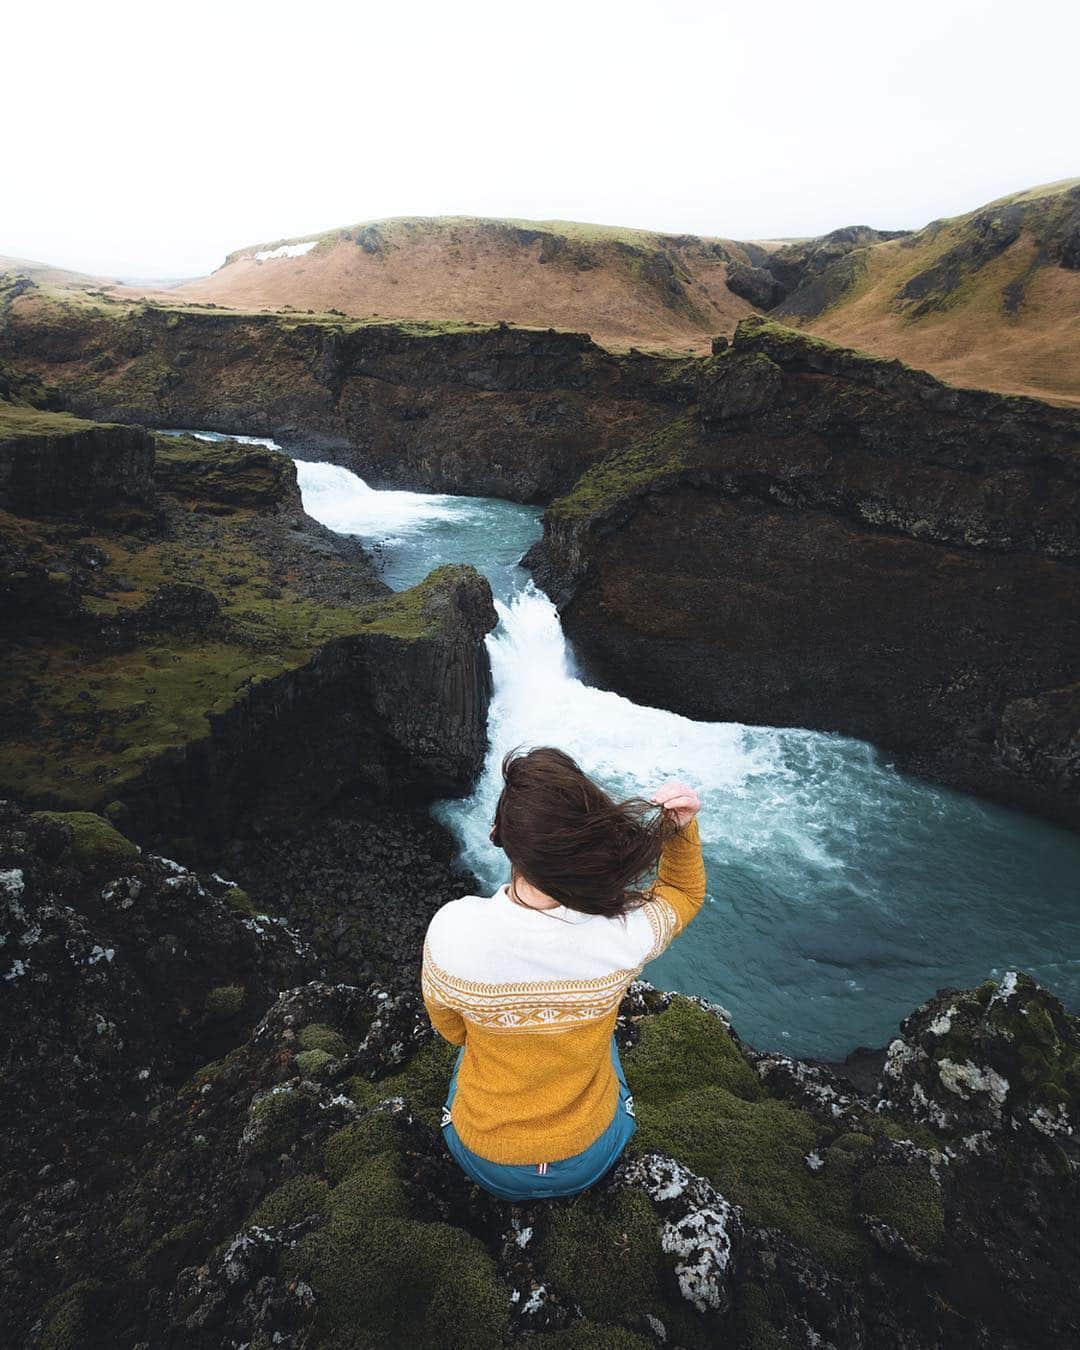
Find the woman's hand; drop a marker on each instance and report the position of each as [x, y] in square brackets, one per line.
[679, 798]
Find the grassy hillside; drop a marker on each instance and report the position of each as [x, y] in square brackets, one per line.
[990, 299]
[626, 287]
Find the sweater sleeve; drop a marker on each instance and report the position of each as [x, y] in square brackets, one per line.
[447, 1021]
[679, 891]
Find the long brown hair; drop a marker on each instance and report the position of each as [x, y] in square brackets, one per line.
[567, 837]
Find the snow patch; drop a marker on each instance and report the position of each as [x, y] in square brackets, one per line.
[285, 251]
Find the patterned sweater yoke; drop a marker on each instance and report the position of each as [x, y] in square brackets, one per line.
[533, 996]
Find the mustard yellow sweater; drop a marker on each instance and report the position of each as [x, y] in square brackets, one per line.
[533, 996]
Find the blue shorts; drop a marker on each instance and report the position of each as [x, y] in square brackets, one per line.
[565, 1176]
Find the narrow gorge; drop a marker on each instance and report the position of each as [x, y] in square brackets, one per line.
[252, 708]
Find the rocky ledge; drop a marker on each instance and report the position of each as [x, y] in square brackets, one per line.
[195, 1159]
[199, 659]
[481, 408]
[834, 541]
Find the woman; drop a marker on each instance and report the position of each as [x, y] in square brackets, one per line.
[528, 981]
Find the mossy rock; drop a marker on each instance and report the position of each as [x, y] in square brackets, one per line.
[296, 1199]
[277, 1116]
[753, 1317]
[240, 902]
[705, 1106]
[314, 1063]
[94, 842]
[170, 1250]
[318, 1036]
[704, 1053]
[356, 1144]
[69, 1316]
[589, 1335]
[382, 1279]
[224, 1001]
[424, 1081]
[606, 1256]
[908, 1199]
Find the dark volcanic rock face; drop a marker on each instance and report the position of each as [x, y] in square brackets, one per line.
[842, 543]
[295, 1190]
[85, 468]
[400, 712]
[811, 275]
[498, 411]
[215, 662]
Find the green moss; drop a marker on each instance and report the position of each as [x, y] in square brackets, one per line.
[753, 1317]
[607, 1257]
[313, 1063]
[94, 842]
[712, 1115]
[298, 1198]
[278, 1117]
[706, 1054]
[628, 470]
[908, 1199]
[18, 422]
[356, 1144]
[589, 1335]
[225, 1001]
[240, 902]
[69, 1316]
[318, 1036]
[382, 1279]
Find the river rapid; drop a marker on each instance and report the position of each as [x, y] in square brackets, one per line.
[841, 892]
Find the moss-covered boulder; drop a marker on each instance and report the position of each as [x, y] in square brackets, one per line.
[92, 841]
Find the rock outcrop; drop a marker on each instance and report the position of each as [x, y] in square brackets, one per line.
[486, 409]
[212, 662]
[70, 464]
[294, 1190]
[842, 543]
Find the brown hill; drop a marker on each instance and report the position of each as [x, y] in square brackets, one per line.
[989, 300]
[625, 287]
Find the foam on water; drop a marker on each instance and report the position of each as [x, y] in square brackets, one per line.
[842, 893]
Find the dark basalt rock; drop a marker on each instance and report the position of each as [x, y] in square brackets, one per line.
[393, 712]
[403, 405]
[859, 549]
[814, 273]
[296, 1190]
[756, 284]
[81, 470]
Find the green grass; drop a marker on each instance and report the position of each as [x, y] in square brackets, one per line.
[18, 422]
[96, 716]
[626, 471]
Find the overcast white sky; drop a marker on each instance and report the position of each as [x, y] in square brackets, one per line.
[149, 140]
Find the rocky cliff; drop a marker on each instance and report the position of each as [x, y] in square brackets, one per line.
[202, 660]
[194, 1159]
[839, 542]
[487, 409]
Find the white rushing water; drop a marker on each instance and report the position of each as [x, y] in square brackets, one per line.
[841, 892]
